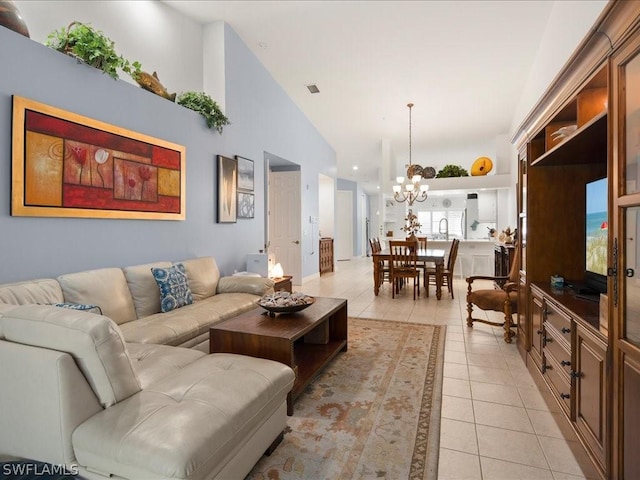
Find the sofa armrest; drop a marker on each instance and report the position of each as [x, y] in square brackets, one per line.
[255, 285]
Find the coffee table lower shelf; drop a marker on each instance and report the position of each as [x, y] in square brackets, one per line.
[306, 341]
[310, 360]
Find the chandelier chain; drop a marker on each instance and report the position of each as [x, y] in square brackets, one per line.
[413, 191]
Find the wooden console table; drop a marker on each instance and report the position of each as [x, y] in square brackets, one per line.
[326, 255]
[306, 341]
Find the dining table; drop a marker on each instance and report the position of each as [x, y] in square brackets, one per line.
[435, 255]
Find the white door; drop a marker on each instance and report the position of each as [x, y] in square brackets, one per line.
[344, 225]
[285, 223]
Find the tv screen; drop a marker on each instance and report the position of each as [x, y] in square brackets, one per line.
[597, 224]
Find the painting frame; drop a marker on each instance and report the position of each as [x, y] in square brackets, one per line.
[246, 174]
[246, 204]
[227, 209]
[69, 165]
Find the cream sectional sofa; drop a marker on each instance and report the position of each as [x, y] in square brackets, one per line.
[115, 395]
[130, 297]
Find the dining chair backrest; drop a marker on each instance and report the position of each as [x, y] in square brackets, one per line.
[372, 244]
[403, 254]
[422, 243]
[453, 254]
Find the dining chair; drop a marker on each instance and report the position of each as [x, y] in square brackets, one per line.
[447, 274]
[423, 265]
[383, 267]
[403, 265]
[503, 298]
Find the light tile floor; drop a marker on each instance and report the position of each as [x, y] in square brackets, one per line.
[496, 423]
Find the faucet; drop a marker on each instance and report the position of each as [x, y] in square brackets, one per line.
[446, 228]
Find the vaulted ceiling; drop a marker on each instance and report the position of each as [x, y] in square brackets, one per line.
[463, 64]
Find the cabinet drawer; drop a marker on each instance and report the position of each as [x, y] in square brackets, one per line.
[556, 347]
[559, 320]
[557, 380]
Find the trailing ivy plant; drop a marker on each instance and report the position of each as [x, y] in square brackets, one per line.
[91, 46]
[207, 107]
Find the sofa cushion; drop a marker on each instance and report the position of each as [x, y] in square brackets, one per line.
[105, 287]
[143, 287]
[203, 276]
[181, 325]
[44, 291]
[174, 287]
[155, 362]
[185, 425]
[94, 342]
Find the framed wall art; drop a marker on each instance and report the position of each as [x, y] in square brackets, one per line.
[68, 165]
[245, 205]
[227, 188]
[245, 174]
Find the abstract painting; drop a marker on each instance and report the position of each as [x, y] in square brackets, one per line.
[227, 188]
[245, 174]
[245, 205]
[67, 165]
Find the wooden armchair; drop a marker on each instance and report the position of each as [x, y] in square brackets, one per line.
[403, 265]
[504, 299]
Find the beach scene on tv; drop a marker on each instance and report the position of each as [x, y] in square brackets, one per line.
[596, 227]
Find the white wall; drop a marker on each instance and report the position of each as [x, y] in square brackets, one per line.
[327, 206]
[143, 30]
[569, 23]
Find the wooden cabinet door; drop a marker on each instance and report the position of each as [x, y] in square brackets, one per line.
[590, 375]
[537, 332]
[624, 284]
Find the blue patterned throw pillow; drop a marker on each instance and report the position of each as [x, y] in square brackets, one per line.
[174, 287]
[81, 307]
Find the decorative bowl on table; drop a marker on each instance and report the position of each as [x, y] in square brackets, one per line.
[285, 302]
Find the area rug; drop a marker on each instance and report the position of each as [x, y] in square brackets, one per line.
[374, 412]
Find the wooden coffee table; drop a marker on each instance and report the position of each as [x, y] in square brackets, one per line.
[306, 341]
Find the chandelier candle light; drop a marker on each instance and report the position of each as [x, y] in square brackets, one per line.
[413, 191]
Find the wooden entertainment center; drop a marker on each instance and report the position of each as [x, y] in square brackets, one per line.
[586, 127]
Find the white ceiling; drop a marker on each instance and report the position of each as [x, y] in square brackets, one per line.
[463, 64]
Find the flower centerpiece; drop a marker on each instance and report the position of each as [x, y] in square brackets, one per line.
[412, 226]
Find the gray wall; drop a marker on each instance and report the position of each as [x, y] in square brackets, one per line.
[263, 119]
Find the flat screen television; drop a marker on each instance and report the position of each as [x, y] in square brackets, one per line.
[596, 228]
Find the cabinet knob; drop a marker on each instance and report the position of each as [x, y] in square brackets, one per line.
[566, 330]
[545, 367]
[539, 332]
[565, 395]
[575, 374]
[565, 363]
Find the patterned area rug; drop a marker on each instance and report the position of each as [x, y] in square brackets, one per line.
[374, 412]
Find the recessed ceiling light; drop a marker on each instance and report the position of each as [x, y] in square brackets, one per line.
[377, 187]
[313, 88]
[355, 167]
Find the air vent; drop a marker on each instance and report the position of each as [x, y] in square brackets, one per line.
[313, 88]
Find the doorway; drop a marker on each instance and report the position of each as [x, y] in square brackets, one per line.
[283, 215]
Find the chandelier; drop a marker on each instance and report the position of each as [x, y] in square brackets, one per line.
[413, 191]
